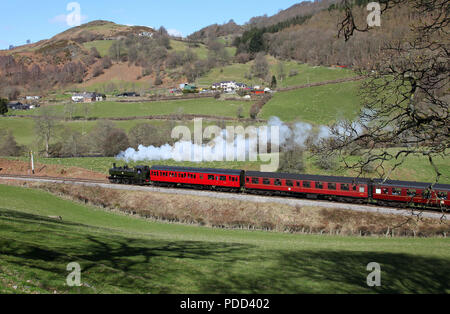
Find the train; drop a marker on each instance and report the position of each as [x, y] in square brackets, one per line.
[389, 193]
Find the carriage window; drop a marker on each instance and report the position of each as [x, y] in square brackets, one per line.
[411, 193]
[319, 185]
[266, 181]
[223, 178]
[345, 187]
[362, 189]
[248, 180]
[396, 191]
[385, 191]
[355, 187]
[210, 177]
[332, 186]
[442, 195]
[289, 183]
[426, 194]
[306, 184]
[277, 182]
[298, 183]
[255, 180]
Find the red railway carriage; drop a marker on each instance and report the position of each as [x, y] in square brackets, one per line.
[411, 192]
[309, 185]
[220, 179]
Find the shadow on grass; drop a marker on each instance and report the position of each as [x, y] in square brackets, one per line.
[112, 263]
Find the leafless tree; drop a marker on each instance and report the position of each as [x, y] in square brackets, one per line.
[45, 126]
[261, 67]
[406, 94]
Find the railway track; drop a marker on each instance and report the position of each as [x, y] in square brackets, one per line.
[233, 196]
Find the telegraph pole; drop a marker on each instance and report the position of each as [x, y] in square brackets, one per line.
[32, 162]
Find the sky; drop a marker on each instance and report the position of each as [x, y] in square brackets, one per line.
[33, 20]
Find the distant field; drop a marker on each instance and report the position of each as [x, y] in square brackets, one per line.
[23, 128]
[201, 51]
[306, 74]
[120, 254]
[101, 45]
[107, 109]
[316, 105]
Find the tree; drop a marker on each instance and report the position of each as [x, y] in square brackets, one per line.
[406, 95]
[3, 106]
[8, 145]
[98, 70]
[273, 84]
[239, 112]
[71, 144]
[260, 68]
[291, 161]
[94, 52]
[106, 62]
[116, 50]
[45, 125]
[143, 134]
[108, 139]
[69, 111]
[281, 71]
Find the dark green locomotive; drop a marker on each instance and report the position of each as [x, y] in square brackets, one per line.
[139, 175]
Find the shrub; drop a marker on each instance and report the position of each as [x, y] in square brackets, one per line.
[9, 146]
[293, 73]
[326, 162]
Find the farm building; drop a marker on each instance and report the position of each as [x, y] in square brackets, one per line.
[15, 105]
[88, 97]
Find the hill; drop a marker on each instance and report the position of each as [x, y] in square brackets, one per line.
[214, 31]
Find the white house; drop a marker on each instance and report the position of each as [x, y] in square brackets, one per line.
[88, 97]
[228, 86]
[33, 97]
[78, 98]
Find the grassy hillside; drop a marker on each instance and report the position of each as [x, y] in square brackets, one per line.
[120, 254]
[306, 74]
[102, 46]
[317, 105]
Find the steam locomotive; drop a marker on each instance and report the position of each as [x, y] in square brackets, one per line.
[343, 189]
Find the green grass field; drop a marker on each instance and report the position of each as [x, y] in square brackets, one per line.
[316, 105]
[23, 128]
[121, 254]
[107, 109]
[306, 74]
[101, 45]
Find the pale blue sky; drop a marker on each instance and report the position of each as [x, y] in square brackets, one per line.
[42, 19]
